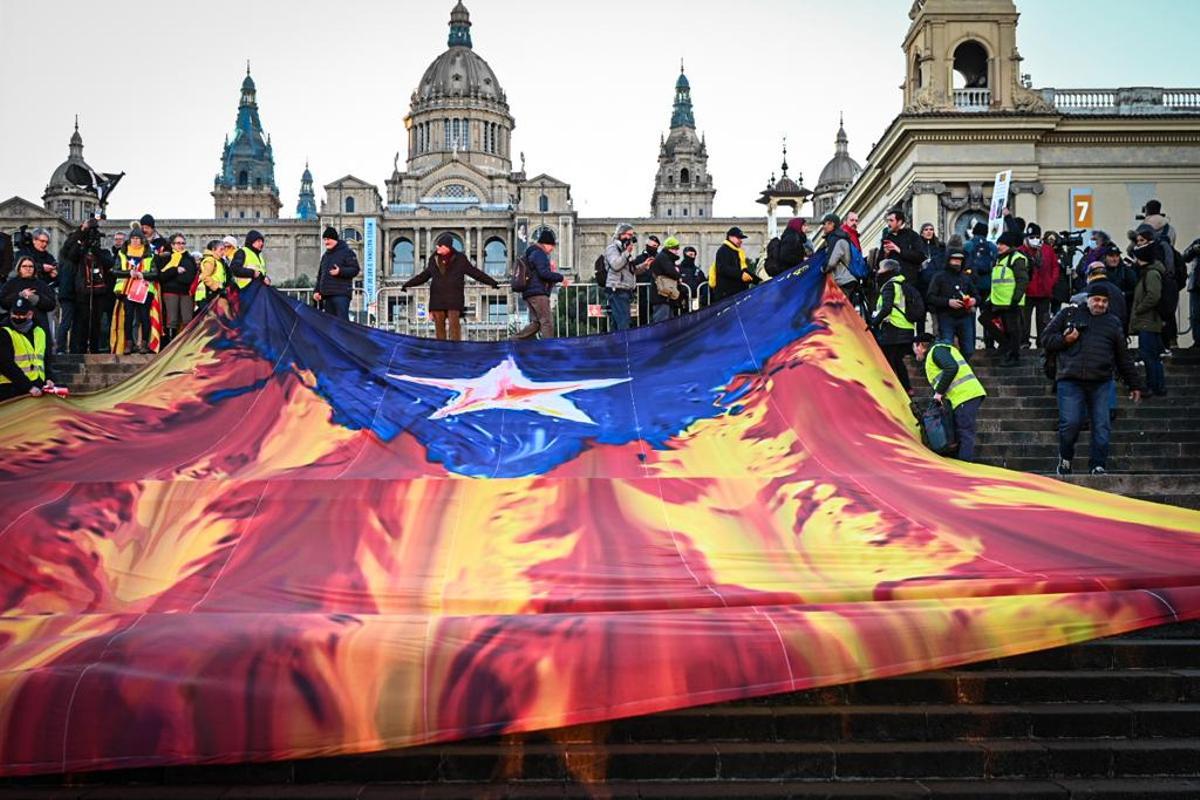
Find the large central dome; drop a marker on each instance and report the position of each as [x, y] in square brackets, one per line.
[459, 72]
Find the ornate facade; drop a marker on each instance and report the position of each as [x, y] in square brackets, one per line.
[69, 201]
[969, 113]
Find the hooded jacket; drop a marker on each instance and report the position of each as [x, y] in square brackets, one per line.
[794, 246]
[237, 265]
[1144, 316]
[1044, 271]
[838, 263]
[342, 284]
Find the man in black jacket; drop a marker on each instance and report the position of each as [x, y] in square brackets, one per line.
[903, 244]
[335, 276]
[694, 278]
[954, 298]
[1089, 345]
[734, 274]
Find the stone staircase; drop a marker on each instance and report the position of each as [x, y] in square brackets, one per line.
[1116, 718]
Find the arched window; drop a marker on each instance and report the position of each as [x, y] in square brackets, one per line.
[495, 258]
[966, 221]
[543, 204]
[349, 205]
[243, 178]
[970, 66]
[402, 258]
[351, 235]
[684, 177]
[917, 79]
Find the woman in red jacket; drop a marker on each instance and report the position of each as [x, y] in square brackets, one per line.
[1043, 274]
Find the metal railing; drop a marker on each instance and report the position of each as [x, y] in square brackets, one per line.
[579, 309]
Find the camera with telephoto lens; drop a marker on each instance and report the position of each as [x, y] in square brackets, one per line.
[1069, 239]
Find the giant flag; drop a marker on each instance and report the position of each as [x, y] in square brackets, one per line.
[292, 536]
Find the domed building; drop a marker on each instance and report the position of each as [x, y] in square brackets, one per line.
[837, 177]
[69, 201]
[459, 176]
[245, 188]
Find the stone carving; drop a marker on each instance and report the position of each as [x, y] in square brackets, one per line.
[928, 187]
[927, 100]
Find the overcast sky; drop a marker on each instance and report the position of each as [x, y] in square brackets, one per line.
[156, 85]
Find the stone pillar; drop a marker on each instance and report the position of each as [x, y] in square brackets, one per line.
[772, 223]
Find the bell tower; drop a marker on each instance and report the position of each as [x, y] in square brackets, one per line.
[961, 55]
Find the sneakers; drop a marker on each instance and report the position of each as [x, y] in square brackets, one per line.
[1063, 468]
[1098, 471]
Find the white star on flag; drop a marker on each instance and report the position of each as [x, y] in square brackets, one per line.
[504, 386]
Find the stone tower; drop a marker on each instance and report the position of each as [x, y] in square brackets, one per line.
[62, 197]
[306, 209]
[245, 188]
[837, 176]
[961, 55]
[682, 187]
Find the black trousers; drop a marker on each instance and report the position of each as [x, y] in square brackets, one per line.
[895, 355]
[87, 333]
[1014, 332]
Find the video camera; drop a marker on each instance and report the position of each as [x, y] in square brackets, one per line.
[1071, 239]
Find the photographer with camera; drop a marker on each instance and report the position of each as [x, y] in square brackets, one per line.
[621, 280]
[645, 278]
[1088, 345]
[86, 267]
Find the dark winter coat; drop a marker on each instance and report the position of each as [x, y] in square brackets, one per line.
[1044, 271]
[1144, 315]
[911, 255]
[177, 280]
[342, 284]
[664, 265]
[729, 273]
[1099, 350]
[14, 286]
[1116, 300]
[93, 275]
[950, 284]
[43, 261]
[794, 247]
[541, 277]
[448, 280]
[692, 275]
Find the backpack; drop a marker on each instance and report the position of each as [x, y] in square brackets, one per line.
[771, 264]
[520, 275]
[601, 271]
[937, 428]
[1168, 299]
[858, 265]
[914, 304]
[980, 261]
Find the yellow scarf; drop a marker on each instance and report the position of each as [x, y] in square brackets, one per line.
[175, 259]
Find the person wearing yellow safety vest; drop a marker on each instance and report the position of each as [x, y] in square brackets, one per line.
[953, 381]
[248, 263]
[23, 353]
[1010, 277]
[892, 329]
[210, 281]
[731, 272]
[132, 320]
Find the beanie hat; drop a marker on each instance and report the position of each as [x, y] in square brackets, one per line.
[924, 338]
[1152, 207]
[547, 237]
[229, 241]
[1097, 289]
[252, 237]
[445, 240]
[980, 229]
[330, 233]
[959, 254]
[1010, 239]
[146, 220]
[834, 218]
[653, 238]
[1096, 268]
[1033, 230]
[1145, 231]
[136, 233]
[671, 243]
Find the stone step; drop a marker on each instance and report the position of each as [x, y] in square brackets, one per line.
[1018, 422]
[1119, 435]
[1135, 464]
[1116, 449]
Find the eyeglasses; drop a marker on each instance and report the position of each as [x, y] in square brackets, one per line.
[178, 244]
[42, 240]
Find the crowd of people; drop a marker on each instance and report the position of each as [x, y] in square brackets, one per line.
[920, 296]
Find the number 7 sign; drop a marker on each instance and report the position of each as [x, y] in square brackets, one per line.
[1082, 209]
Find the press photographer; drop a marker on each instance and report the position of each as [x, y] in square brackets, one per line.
[86, 270]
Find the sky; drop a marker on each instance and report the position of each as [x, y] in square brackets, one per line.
[156, 85]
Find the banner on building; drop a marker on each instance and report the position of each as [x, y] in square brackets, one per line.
[1083, 209]
[999, 203]
[370, 262]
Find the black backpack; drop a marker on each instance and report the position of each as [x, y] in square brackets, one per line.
[520, 275]
[601, 271]
[914, 304]
[772, 260]
[1168, 299]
